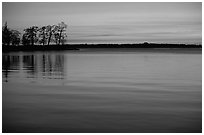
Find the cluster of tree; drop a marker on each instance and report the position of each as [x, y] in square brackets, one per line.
[42, 35]
[10, 36]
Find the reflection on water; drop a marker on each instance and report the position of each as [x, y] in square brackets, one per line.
[40, 65]
[102, 91]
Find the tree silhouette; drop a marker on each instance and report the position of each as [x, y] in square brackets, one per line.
[25, 39]
[15, 37]
[10, 36]
[50, 31]
[31, 34]
[60, 32]
[56, 38]
[63, 38]
[42, 35]
[6, 35]
[62, 28]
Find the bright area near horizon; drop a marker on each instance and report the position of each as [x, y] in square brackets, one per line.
[109, 22]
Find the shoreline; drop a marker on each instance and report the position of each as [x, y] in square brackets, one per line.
[100, 46]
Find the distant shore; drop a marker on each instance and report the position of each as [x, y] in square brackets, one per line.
[82, 46]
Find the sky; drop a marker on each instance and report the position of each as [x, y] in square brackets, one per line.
[112, 22]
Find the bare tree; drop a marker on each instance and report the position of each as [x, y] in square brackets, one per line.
[60, 32]
[50, 31]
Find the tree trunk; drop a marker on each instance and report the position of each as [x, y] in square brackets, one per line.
[43, 37]
[48, 42]
[32, 40]
[60, 35]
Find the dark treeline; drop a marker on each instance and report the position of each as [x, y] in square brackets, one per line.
[35, 35]
[78, 46]
[136, 45]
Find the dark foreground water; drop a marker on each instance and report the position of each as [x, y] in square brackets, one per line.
[102, 91]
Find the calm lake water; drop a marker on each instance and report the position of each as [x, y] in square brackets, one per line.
[153, 90]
